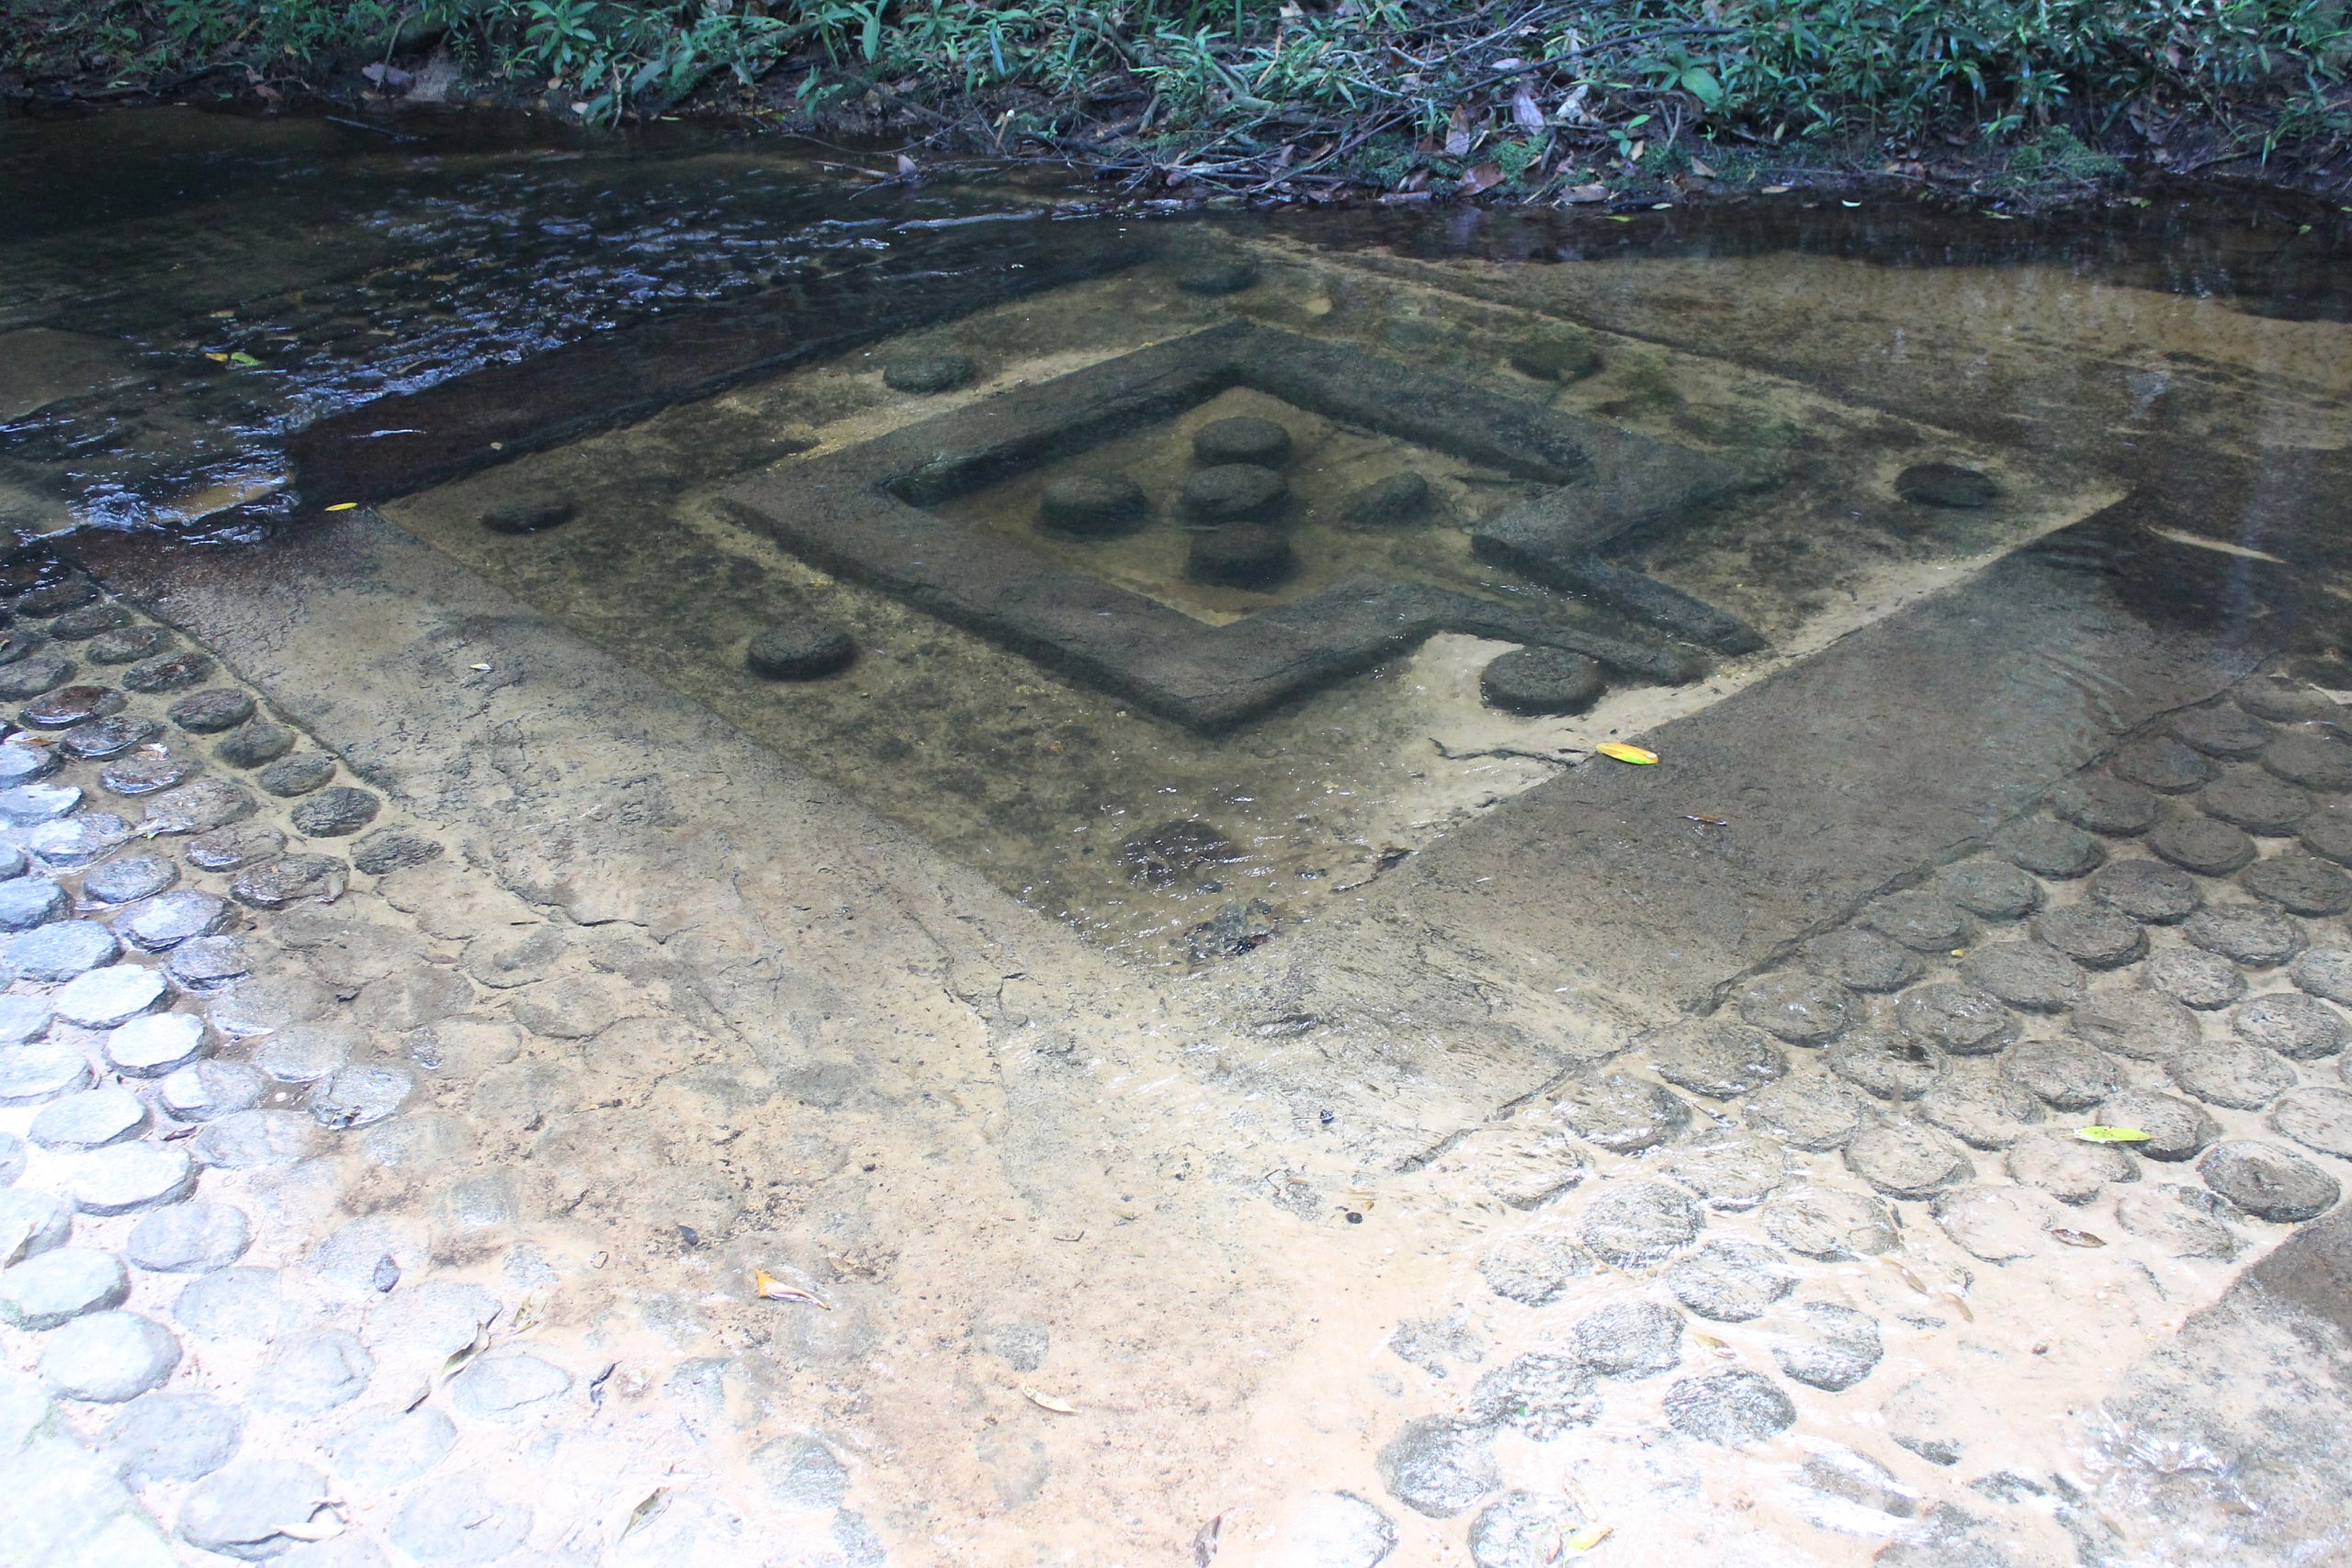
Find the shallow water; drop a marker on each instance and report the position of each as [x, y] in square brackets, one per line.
[1410, 928]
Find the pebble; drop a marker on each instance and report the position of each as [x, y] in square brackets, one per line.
[198, 807]
[2194, 979]
[1534, 1267]
[2146, 890]
[1244, 555]
[1982, 1108]
[2267, 1182]
[1807, 1111]
[2093, 936]
[1827, 1347]
[128, 879]
[1246, 439]
[177, 1436]
[22, 762]
[1919, 919]
[1730, 1282]
[123, 1179]
[2326, 832]
[34, 1222]
[1830, 1224]
[237, 1303]
[2143, 1025]
[1385, 502]
[27, 803]
[240, 1511]
[2252, 934]
[2324, 972]
[205, 964]
[926, 372]
[510, 1385]
[1995, 1224]
[108, 1358]
[129, 645]
[2256, 803]
[2030, 978]
[1734, 1409]
[1638, 1222]
[104, 738]
[253, 743]
[2066, 1073]
[2202, 845]
[1861, 960]
[1889, 1066]
[229, 849]
[2066, 1167]
[32, 675]
[1629, 1339]
[1518, 1529]
[143, 775]
[276, 884]
[190, 1239]
[210, 712]
[1718, 1059]
[799, 650]
[204, 1090]
[1565, 354]
[1091, 506]
[171, 919]
[70, 705]
[2234, 1073]
[290, 776]
[2162, 763]
[389, 850]
[78, 840]
[531, 514]
[254, 1140]
[167, 673]
[2297, 1027]
[1540, 681]
[303, 1054]
[1907, 1159]
[56, 598]
[312, 1372]
[1621, 1113]
[1960, 1021]
[1731, 1169]
[89, 1120]
[91, 620]
[1990, 889]
[30, 901]
[2318, 1119]
[336, 812]
[55, 1286]
[1542, 1396]
[2223, 731]
[2055, 849]
[358, 1096]
[1804, 1009]
[385, 1450]
[2186, 1222]
[2301, 885]
[2176, 1129]
[1234, 493]
[30, 1074]
[2313, 760]
[23, 1019]
[2112, 808]
[105, 998]
[801, 1473]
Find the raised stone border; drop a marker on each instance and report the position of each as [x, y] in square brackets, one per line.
[860, 513]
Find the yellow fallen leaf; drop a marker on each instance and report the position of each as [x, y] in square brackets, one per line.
[1047, 1402]
[768, 1288]
[343, 507]
[1622, 752]
[218, 358]
[2097, 1134]
[1589, 1537]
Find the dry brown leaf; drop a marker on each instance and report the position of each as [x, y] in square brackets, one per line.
[768, 1288]
[1047, 1402]
[1582, 194]
[1525, 112]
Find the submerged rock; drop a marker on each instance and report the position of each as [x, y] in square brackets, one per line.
[799, 650]
[926, 372]
[1243, 556]
[1090, 506]
[1244, 439]
[1175, 852]
[1536, 680]
[535, 516]
[1945, 484]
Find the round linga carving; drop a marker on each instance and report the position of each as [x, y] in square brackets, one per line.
[799, 650]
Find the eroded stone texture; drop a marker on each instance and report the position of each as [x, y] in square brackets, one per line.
[1991, 889]
[1730, 1282]
[2256, 803]
[1907, 1159]
[2068, 1168]
[2112, 808]
[1638, 1222]
[2029, 977]
[1804, 1009]
[1717, 1058]
[2143, 1025]
[2236, 1074]
[1983, 1109]
[2219, 730]
[2301, 1028]
[2093, 936]
[2059, 851]
[1621, 1112]
[2201, 980]
[1890, 1066]
[1629, 1339]
[2253, 934]
[1809, 1110]
[2267, 1181]
[1733, 1408]
[2202, 844]
[1438, 1467]
[2066, 1073]
[1543, 1396]
[2300, 885]
[1827, 1346]
[1961, 1020]
[2176, 1129]
[1863, 961]
[1831, 1224]
[2147, 890]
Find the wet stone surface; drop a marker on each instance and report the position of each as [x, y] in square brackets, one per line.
[105, 738]
[2267, 1181]
[70, 705]
[2313, 760]
[1629, 1339]
[2066, 1167]
[1532, 1268]
[2300, 885]
[1438, 1467]
[1907, 1159]
[1958, 1020]
[141, 774]
[1983, 1109]
[1826, 1346]
[1519, 1530]
[254, 743]
[297, 775]
[167, 673]
[2066, 1073]
[2222, 731]
[2301, 1028]
[273, 885]
[1919, 920]
[2092, 936]
[1091, 506]
[2235, 1073]
[1809, 1110]
[2256, 803]
[1732, 1408]
[2176, 1129]
[1718, 1059]
[126, 879]
[1639, 1223]
[799, 650]
[2251, 934]
[1621, 1112]
[2027, 977]
[2164, 764]
[171, 919]
[211, 711]
[2203, 981]
[1990, 889]
[2202, 845]
[2319, 1119]
[2146, 890]
[1804, 1009]
[1539, 680]
[1729, 1281]
[1861, 961]
[1541, 1395]
[1888, 1066]
[230, 848]
[2112, 808]
[2059, 851]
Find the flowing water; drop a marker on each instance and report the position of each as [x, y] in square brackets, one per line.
[1177, 868]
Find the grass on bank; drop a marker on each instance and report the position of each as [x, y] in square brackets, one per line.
[1477, 93]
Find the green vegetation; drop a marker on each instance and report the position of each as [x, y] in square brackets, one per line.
[1405, 92]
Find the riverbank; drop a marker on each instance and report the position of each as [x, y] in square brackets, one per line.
[1560, 104]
